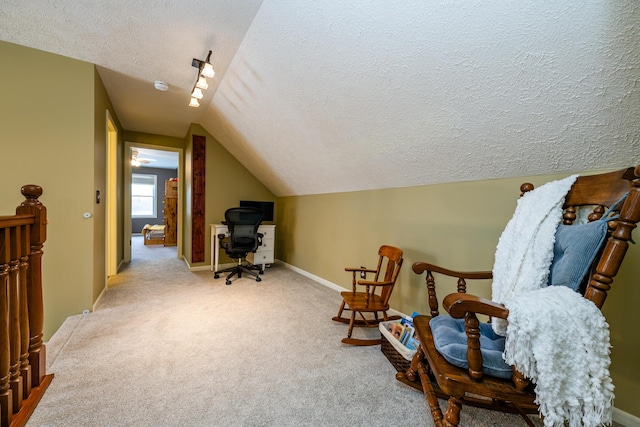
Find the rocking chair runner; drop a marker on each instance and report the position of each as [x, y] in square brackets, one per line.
[369, 301]
[431, 373]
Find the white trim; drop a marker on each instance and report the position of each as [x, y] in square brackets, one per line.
[314, 277]
[327, 283]
[95, 304]
[206, 267]
[625, 418]
[110, 198]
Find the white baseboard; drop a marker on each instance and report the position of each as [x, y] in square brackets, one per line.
[196, 267]
[619, 416]
[95, 303]
[625, 418]
[199, 267]
[328, 284]
[314, 277]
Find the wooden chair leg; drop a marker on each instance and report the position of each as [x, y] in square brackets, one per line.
[452, 414]
[410, 376]
[341, 309]
[430, 395]
[351, 323]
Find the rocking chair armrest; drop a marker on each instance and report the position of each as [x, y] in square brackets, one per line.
[421, 267]
[458, 304]
[372, 283]
[356, 269]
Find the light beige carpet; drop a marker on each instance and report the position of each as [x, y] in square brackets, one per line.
[169, 347]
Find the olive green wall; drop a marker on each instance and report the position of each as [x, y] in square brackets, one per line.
[227, 182]
[49, 137]
[453, 225]
[102, 103]
[153, 139]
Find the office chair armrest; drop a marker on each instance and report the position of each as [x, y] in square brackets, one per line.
[223, 245]
[260, 236]
[458, 304]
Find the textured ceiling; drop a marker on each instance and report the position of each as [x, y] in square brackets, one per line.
[329, 96]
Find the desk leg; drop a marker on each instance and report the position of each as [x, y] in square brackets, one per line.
[216, 255]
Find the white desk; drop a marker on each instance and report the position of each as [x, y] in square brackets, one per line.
[264, 255]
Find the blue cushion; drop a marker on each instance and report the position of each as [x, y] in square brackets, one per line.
[450, 339]
[575, 249]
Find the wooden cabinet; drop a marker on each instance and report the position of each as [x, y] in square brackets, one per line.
[170, 213]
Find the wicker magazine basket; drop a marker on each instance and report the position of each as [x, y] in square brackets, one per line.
[399, 355]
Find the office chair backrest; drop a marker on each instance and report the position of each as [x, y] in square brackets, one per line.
[243, 226]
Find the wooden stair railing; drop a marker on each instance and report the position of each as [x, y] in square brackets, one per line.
[23, 377]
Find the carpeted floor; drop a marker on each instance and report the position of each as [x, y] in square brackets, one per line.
[170, 347]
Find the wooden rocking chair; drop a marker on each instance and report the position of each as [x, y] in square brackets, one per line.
[369, 301]
[431, 373]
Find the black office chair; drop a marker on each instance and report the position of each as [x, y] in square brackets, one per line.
[243, 226]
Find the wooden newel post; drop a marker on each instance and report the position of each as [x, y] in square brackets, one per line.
[37, 351]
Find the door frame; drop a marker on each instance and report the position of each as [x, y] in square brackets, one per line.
[128, 146]
[111, 199]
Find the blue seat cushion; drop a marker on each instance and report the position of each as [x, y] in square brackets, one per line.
[450, 339]
[575, 248]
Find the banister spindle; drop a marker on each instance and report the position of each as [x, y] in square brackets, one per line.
[25, 367]
[14, 319]
[6, 403]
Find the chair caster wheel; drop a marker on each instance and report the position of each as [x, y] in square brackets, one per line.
[228, 282]
[258, 279]
[216, 276]
[261, 271]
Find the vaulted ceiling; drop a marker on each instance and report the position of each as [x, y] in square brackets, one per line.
[329, 96]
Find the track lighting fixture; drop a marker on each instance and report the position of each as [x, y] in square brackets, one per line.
[197, 93]
[205, 69]
[202, 82]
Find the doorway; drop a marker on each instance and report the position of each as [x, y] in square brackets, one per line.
[158, 161]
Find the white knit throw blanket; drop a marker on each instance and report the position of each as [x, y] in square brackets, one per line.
[560, 340]
[525, 248]
[555, 337]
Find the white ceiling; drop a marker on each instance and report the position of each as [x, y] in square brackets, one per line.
[159, 159]
[328, 96]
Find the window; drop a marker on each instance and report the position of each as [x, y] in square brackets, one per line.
[143, 195]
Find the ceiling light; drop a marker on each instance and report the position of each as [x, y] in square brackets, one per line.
[134, 158]
[161, 86]
[197, 93]
[202, 83]
[205, 69]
